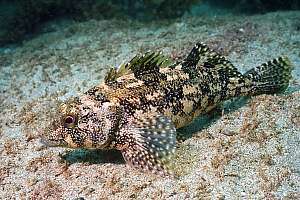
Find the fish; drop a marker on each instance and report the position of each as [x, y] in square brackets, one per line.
[140, 105]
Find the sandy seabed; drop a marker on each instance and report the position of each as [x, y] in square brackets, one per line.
[250, 151]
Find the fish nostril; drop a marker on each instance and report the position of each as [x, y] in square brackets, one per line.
[56, 124]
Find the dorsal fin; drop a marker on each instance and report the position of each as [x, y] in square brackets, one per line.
[115, 73]
[146, 67]
[150, 62]
[143, 66]
[201, 56]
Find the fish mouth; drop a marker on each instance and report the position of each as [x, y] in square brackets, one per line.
[44, 142]
[47, 143]
[51, 143]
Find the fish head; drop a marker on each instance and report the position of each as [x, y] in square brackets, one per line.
[82, 123]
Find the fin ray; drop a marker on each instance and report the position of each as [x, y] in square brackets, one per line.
[201, 56]
[145, 67]
[270, 77]
[152, 141]
[148, 65]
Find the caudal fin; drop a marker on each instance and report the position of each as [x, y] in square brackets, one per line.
[270, 77]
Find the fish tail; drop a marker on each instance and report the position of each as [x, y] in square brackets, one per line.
[269, 78]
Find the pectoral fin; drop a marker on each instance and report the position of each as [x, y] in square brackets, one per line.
[150, 142]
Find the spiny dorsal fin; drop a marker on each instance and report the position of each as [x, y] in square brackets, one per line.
[115, 73]
[150, 62]
[111, 75]
[140, 65]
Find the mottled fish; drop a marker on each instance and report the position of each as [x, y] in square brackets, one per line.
[139, 105]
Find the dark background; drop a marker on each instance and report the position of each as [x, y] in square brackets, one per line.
[20, 18]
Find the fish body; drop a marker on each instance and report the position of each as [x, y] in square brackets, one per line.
[139, 106]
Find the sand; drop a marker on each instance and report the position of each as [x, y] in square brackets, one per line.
[249, 149]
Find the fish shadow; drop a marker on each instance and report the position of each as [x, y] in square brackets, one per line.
[206, 120]
[227, 107]
[92, 156]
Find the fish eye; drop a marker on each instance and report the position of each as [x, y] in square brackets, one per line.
[69, 121]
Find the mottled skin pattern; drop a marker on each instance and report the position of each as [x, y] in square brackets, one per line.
[137, 108]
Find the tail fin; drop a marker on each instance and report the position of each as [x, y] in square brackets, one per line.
[270, 77]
